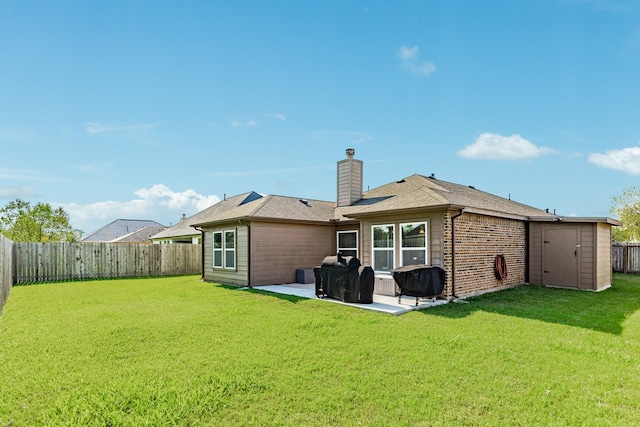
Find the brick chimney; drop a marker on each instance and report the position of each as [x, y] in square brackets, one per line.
[349, 179]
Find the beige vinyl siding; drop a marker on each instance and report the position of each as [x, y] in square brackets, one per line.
[278, 249]
[586, 267]
[603, 256]
[437, 238]
[237, 276]
[435, 228]
[535, 252]
[594, 254]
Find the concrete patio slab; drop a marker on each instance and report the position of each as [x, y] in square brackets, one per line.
[381, 303]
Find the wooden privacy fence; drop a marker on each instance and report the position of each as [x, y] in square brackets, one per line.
[625, 257]
[51, 262]
[6, 269]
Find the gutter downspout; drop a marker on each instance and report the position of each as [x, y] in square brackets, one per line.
[201, 250]
[249, 269]
[453, 253]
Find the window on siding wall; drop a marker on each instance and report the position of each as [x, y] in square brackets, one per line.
[413, 244]
[348, 243]
[230, 249]
[383, 247]
[217, 249]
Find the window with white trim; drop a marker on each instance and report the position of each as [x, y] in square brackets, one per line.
[224, 249]
[383, 247]
[217, 249]
[413, 243]
[230, 249]
[348, 243]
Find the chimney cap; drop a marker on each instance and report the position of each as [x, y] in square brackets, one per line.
[350, 153]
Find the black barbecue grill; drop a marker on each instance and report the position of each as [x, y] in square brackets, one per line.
[343, 278]
[420, 281]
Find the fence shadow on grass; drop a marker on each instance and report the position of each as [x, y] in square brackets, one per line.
[603, 311]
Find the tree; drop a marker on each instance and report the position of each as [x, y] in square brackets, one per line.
[626, 208]
[21, 222]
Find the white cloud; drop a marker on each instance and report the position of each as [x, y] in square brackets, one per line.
[409, 58]
[94, 128]
[278, 116]
[158, 203]
[497, 147]
[362, 139]
[625, 160]
[162, 195]
[407, 52]
[249, 123]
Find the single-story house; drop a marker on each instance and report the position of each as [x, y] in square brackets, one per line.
[252, 240]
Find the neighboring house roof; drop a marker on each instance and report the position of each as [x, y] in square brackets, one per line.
[184, 227]
[419, 192]
[278, 208]
[119, 228]
[140, 236]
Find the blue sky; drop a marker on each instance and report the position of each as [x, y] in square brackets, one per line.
[152, 109]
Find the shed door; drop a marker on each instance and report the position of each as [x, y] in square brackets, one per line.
[561, 257]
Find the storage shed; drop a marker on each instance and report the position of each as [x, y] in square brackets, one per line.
[570, 252]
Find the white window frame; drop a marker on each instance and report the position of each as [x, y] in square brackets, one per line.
[226, 250]
[391, 248]
[426, 241]
[219, 250]
[340, 249]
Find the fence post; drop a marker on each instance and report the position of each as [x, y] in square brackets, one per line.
[6, 269]
[625, 259]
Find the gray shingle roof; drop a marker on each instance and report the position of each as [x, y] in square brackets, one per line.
[119, 228]
[184, 227]
[413, 192]
[418, 191]
[140, 236]
[278, 208]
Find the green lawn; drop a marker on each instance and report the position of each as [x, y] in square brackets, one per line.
[177, 351]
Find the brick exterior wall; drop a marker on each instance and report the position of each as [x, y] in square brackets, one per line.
[479, 239]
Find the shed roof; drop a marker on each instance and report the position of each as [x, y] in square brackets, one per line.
[580, 219]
